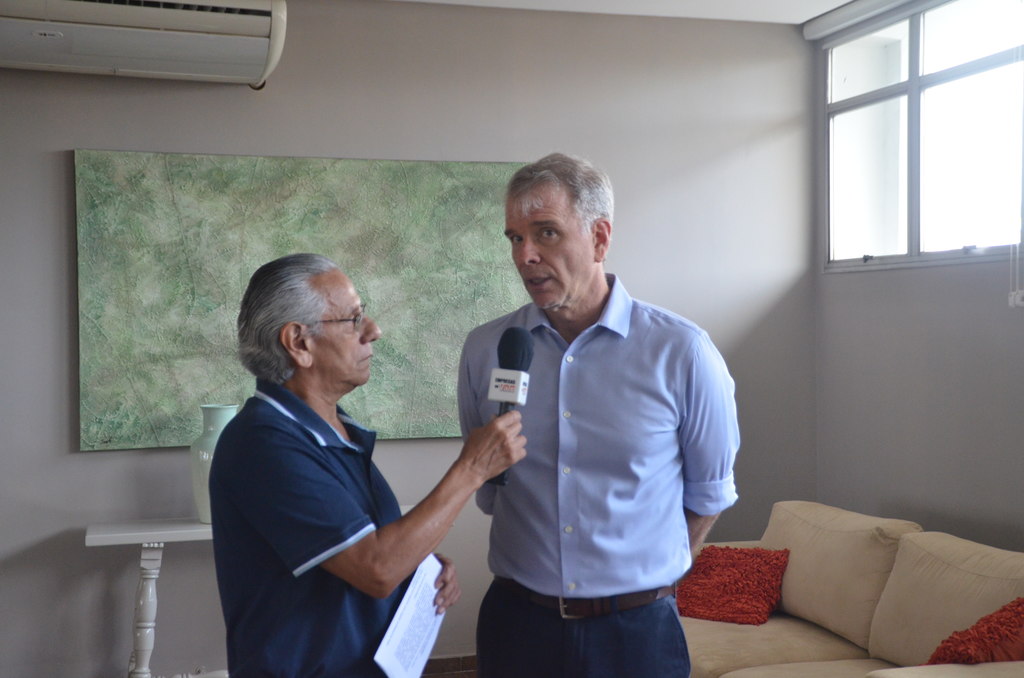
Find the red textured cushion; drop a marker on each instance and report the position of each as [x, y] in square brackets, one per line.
[738, 585]
[998, 637]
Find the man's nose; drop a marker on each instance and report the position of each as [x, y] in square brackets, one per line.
[371, 331]
[526, 253]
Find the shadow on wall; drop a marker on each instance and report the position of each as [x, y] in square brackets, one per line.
[773, 366]
[90, 588]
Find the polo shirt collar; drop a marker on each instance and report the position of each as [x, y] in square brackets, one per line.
[293, 407]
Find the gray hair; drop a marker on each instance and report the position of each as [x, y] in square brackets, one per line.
[279, 292]
[589, 189]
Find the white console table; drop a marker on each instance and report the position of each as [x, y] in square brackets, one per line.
[151, 535]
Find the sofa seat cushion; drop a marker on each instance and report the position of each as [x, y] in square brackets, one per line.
[839, 562]
[940, 584]
[841, 668]
[993, 670]
[716, 648]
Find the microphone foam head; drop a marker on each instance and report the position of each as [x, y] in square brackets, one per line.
[515, 349]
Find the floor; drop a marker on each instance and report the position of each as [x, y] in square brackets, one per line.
[451, 667]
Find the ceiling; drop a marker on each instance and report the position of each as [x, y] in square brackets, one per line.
[772, 11]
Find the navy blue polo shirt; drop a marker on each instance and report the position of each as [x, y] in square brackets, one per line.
[287, 493]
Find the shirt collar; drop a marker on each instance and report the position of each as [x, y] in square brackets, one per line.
[293, 407]
[619, 309]
[615, 316]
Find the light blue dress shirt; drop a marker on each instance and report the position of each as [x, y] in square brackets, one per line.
[627, 425]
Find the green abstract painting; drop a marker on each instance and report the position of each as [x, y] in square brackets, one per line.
[167, 242]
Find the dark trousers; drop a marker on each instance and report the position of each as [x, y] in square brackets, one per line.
[518, 639]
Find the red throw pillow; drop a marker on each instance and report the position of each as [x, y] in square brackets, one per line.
[738, 585]
[998, 637]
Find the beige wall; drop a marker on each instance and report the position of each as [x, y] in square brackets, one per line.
[704, 127]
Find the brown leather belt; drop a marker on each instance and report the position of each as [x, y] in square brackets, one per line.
[580, 608]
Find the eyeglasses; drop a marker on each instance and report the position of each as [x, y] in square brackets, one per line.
[356, 320]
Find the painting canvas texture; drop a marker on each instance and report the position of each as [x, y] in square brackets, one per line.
[167, 242]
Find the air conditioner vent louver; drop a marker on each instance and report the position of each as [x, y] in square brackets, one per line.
[237, 41]
[190, 7]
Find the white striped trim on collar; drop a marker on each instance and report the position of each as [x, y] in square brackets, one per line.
[283, 410]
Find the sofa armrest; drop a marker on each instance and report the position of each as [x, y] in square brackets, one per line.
[987, 670]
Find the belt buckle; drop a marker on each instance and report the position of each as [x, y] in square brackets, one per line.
[562, 610]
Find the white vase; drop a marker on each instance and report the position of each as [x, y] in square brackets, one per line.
[215, 418]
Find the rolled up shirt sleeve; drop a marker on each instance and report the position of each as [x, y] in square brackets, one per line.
[709, 435]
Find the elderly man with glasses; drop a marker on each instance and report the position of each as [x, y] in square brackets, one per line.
[311, 549]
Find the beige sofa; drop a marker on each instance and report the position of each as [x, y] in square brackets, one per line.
[862, 597]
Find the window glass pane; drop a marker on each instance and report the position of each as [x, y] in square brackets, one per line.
[868, 63]
[970, 29]
[868, 181]
[971, 160]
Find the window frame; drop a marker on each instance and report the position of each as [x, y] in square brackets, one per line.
[911, 88]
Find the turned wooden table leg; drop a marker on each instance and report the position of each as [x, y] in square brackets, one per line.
[151, 535]
[145, 610]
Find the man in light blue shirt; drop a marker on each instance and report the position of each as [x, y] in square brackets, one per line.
[631, 436]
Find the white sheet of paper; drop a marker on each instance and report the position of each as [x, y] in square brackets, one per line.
[409, 639]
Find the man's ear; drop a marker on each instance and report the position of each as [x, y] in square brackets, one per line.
[295, 341]
[602, 235]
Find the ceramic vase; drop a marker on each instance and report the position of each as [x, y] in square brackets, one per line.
[215, 418]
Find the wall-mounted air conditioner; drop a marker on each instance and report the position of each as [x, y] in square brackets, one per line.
[237, 41]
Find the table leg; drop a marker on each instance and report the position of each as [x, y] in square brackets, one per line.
[145, 610]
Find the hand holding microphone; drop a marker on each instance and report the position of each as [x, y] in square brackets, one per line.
[492, 448]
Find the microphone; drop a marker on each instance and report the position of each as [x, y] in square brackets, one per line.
[509, 380]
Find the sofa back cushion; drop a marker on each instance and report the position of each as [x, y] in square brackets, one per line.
[838, 563]
[940, 584]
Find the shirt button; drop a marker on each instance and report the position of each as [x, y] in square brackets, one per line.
[568, 529]
[572, 586]
[569, 358]
[566, 470]
[567, 414]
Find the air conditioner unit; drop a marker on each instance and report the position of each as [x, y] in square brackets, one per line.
[237, 41]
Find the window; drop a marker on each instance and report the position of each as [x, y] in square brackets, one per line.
[925, 110]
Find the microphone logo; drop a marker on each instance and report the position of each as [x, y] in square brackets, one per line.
[508, 387]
